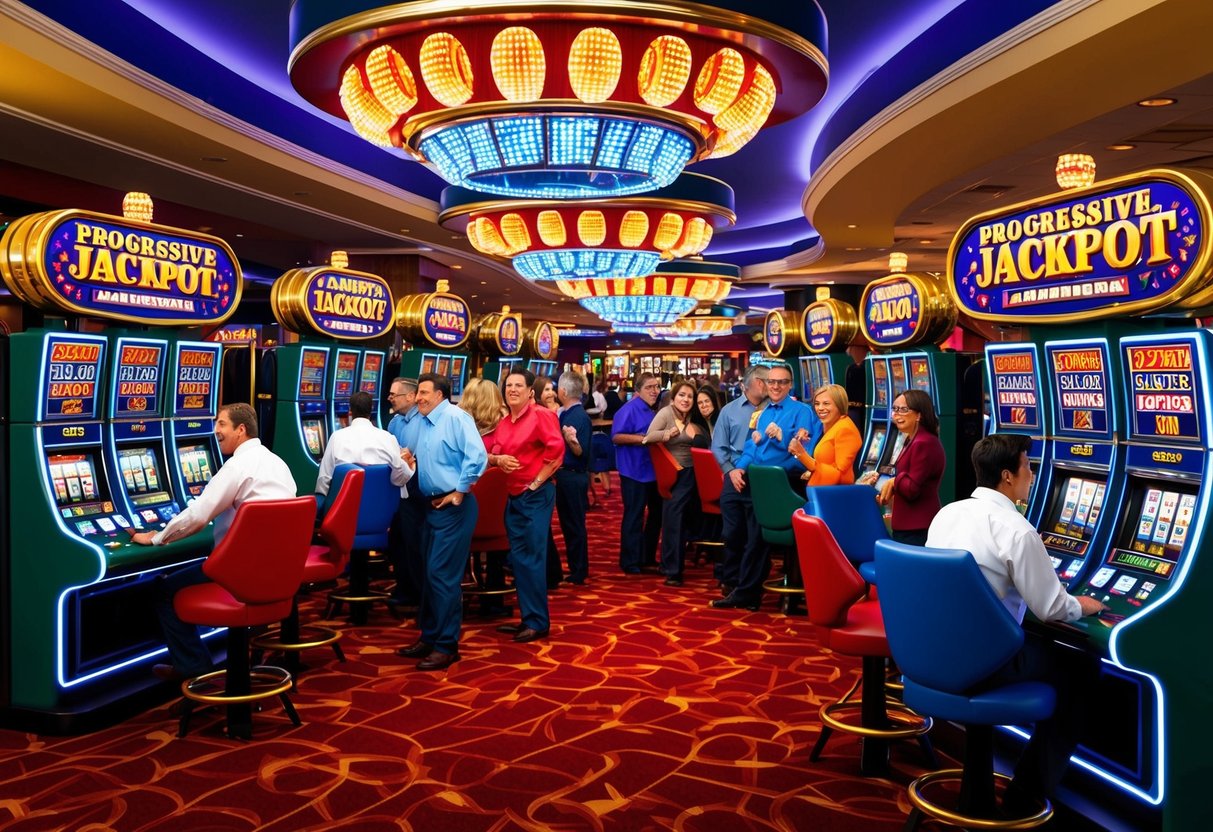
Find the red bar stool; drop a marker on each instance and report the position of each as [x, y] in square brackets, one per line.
[709, 482]
[851, 624]
[325, 562]
[667, 469]
[489, 537]
[255, 572]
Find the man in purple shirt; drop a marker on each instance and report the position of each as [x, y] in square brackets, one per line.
[637, 479]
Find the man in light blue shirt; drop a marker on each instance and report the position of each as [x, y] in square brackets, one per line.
[740, 527]
[404, 548]
[450, 457]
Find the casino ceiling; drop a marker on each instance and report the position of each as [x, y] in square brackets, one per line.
[936, 110]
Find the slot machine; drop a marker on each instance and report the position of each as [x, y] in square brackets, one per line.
[499, 338]
[540, 345]
[878, 447]
[436, 325]
[780, 334]
[135, 433]
[371, 381]
[313, 379]
[82, 592]
[194, 454]
[1018, 405]
[911, 314]
[826, 330]
[1086, 470]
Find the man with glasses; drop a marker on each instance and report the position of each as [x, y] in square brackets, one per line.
[638, 535]
[404, 546]
[771, 430]
[742, 536]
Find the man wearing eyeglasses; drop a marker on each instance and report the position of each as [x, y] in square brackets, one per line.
[771, 430]
[638, 535]
[404, 547]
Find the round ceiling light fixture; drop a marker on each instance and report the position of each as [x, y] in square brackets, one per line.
[674, 290]
[559, 100]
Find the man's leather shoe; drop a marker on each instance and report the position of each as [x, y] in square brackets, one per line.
[509, 629]
[168, 673]
[416, 650]
[673, 580]
[437, 660]
[528, 634]
[734, 603]
[726, 589]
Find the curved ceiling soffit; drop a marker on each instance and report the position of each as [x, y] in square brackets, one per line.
[999, 99]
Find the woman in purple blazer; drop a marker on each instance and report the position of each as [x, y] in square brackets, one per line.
[913, 491]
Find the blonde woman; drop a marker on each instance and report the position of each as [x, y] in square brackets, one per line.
[482, 400]
[833, 459]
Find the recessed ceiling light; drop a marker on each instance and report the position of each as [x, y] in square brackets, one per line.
[852, 225]
[1122, 146]
[1156, 102]
[458, 237]
[404, 231]
[475, 296]
[854, 248]
[239, 235]
[456, 266]
[926, 242]
[484, 283]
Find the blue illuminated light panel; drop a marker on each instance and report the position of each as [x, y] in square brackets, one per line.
[572, 264]
[639, 309]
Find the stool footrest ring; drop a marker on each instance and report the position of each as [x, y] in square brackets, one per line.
[903, 723]
[309, 636]
[266, 681]
[953, 817]
[368, 596]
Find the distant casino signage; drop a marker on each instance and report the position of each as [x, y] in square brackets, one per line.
[438, 318]
[500, 333]
[236, 332]
[544, 340]
[109, 267]
[1015, 379]
[904, 309]
[1162, 395]
[777, 329]
[828, 325]
[339, 303]
[1130, 245]
[1080, 374]
[71, 374]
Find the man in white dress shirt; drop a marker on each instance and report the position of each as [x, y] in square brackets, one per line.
[362, 444]
[1011, 555]
[251, 472]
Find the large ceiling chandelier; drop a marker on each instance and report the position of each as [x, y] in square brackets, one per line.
[705, 321]
[559, 100]
[617, 237]
[660, 299]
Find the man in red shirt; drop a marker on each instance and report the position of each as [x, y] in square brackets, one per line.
[528, 446]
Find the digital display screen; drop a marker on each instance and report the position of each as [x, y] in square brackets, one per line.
[872, 459]
[1077, 504]
[197, 467]
[880, 384]
[897, 377]
[507, 367]
[1080, 379]
[141, 475]
[372, 367]
[345, 374]
[920, 373]
[312, 367]
[72, 370]
[444, 366]
[314, 436]
[429, 362]
[195, 380]
[74, 478]
[137, 379]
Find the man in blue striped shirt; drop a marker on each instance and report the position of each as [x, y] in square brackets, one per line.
[450, 457]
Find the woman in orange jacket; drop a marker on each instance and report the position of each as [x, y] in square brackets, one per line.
[833, 460]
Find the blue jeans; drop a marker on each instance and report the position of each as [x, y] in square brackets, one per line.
[745, 552]
[405, 552]
[186, 652]
[674, 523]
[638, 534]
[446, 537]
[572, 505]
[528, 520]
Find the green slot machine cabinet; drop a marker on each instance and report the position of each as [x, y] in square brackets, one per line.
[827, 328]
[328, 307]
[499, 338]
[437, 326]
[907, 314]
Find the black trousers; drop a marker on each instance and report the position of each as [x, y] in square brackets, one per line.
[572, 505]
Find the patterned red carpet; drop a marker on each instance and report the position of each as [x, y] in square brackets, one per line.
[645, 710]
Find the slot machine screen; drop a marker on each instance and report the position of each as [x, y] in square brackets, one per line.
[897, 378]
[1070, 522]
[1148, 547]
[79, 494]
[920, 373]
[197, 467]
[429, 362]
[444, 366]
[880, 384]
[372, 366]
[457, 363]
[872, 460]
[142, 476]
[344, 374]
[314, 436]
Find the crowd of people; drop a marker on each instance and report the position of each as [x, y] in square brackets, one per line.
[538, 432]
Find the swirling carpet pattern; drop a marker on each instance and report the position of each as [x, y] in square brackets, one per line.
[644, 710]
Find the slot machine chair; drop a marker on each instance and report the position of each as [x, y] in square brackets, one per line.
[849, 622]
[255, 572]
[326, 561]
[854, 518]
[490, 543]
[666, 468]
[380, 502]
[709, 482]
[948, 631]
[774, 504]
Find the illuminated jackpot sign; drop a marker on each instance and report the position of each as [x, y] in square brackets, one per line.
[891, 309]
[438, 318]
[1163, 394]
[1015, 379]
[1126, 246]
[137, 373]
[1080, 379]
[544, 341]
[71, 377]
[194, 393]
[508, 334]
[335, 302]
[108, 267]
[775, 332]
